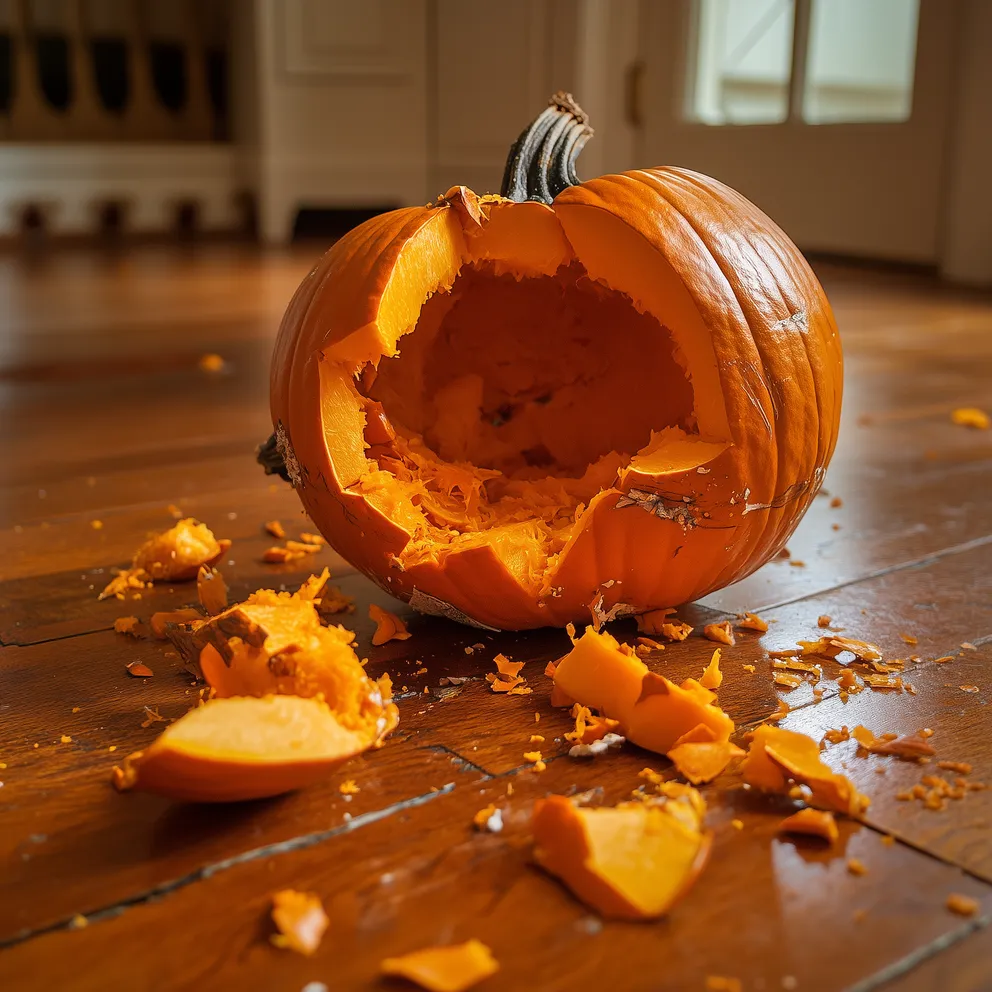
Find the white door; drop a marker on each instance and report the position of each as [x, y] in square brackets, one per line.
[831, 115]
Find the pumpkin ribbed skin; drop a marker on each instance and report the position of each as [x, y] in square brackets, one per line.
[767, 379]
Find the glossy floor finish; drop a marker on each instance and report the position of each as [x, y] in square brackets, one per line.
[106, 417]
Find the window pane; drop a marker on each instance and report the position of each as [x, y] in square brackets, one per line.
[861, 61]
[743, 60]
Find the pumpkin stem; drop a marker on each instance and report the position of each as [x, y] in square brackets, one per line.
[541, 162]
[270, 458]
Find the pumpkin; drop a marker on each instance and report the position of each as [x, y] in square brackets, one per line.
[571, 398]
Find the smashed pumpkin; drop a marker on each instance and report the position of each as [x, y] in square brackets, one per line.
[514, 409]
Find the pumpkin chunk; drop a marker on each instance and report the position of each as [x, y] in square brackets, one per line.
[722, 633]
[712, 677]
[751, 621]
[816, 822]
[241, 748]
[649, 709]
[777, 756]
[301, 920]
[444, 969]
[631, 861]
[211, 589]
[703, 761]
[389, 627]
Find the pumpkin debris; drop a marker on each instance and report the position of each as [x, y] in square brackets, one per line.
[961, 767]
[721, 632]
[389, 627]
[631, 861]
[657, 622]
[751, 621]
[275, 529]
[489, 818]
[301, 920]
[815, 822]
[969, 688]
[349, 787]
[650, 710]
[703, 761]
[65, 739]
[589, 727]
[127, 625]
[856, 867]
[777, 756]
[823, 621]
[712, 677]
[970, 416]
[444, 969]
[211, 364]
[177, 554]
[139, 670]
[962, 905]
[787, 679]
[211, 590]
[536, 759]
[836, 502]
[911, 747]
[163, 620]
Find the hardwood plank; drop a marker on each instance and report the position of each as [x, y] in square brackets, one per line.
[425, 876]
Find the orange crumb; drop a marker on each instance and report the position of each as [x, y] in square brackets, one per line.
[444, 969]
[139, 670]
[532, 756]
[649, 642]
[113, 747]
[749, 668]
[737, 824]
[836, 502]
[796, 563]
[536, 739]
[856, 867]
[925, 732]
[301, 921]
[961, 767]
[787, 679]
[823, 621]
[76, 709]
[211, 363]
[910, 639]
[96, 524]
[281, 556]
[720, 983]
[944, 659]
[968, 646]
[507, 668]
[751, 621]
[888, 840]
[64, 739]
[348, 787]
[389, 627]
[970, 416]
[489, 818]
[275, 529]
[127, 625]
[719, 632]
[174, 511]
[537, 718]
[969, 688]
[309, 538]
[962, 905]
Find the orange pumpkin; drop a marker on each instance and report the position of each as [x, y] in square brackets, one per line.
[598, 397]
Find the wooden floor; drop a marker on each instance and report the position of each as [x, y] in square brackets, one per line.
[106, 417]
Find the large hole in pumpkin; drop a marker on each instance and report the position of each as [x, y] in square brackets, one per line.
[510, 405]
[533, 377]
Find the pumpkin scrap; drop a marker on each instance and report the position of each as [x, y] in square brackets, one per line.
[228, 750]
[722, 633]
[816, 822]
[489, 818]
[211, 363]
[787, 679]
[349, 787]
[507, 678]
[139, 670]
[961, 767]
[389, 627]
[650, 710]
[177, 554]
[301, 920]
[962, 905]
[631, 861]
[856, 867]
[969, 416]
[126, 580]
[444, 969]
[911, 747]
[588, 726]
[777, 756]
[211, 590]
[275, 529]
[308, 538]
[823, 621]
[703, 761]
[751, 621]
[127, 625]
[161, 621]
[712, 677]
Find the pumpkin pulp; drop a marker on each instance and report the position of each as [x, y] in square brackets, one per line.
[505, 384]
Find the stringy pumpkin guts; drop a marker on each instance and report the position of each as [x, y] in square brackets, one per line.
[301, 921]
[778, 757]
[631, 861]
[444, 969]
[649, 709]
[388, 626]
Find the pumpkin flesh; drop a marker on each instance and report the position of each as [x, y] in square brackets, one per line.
[507, 387]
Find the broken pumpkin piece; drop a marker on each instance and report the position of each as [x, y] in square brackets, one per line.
[751, 621]
[712, 677]
[211, 590]
[127, 625]
[161, 621]
[308, 538]
[588, 726]
[650, 710]
[139, 670]
[703, 761]
[125, 581]
[444, 969]
[508, 669]
[776, 757]
[275, 529]
[971, 416]
[300, 919]
[815, 822]
[388, 626]
[177, 554]
[722, 633]
[631, 861]
[911, 747]
[228, 750]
